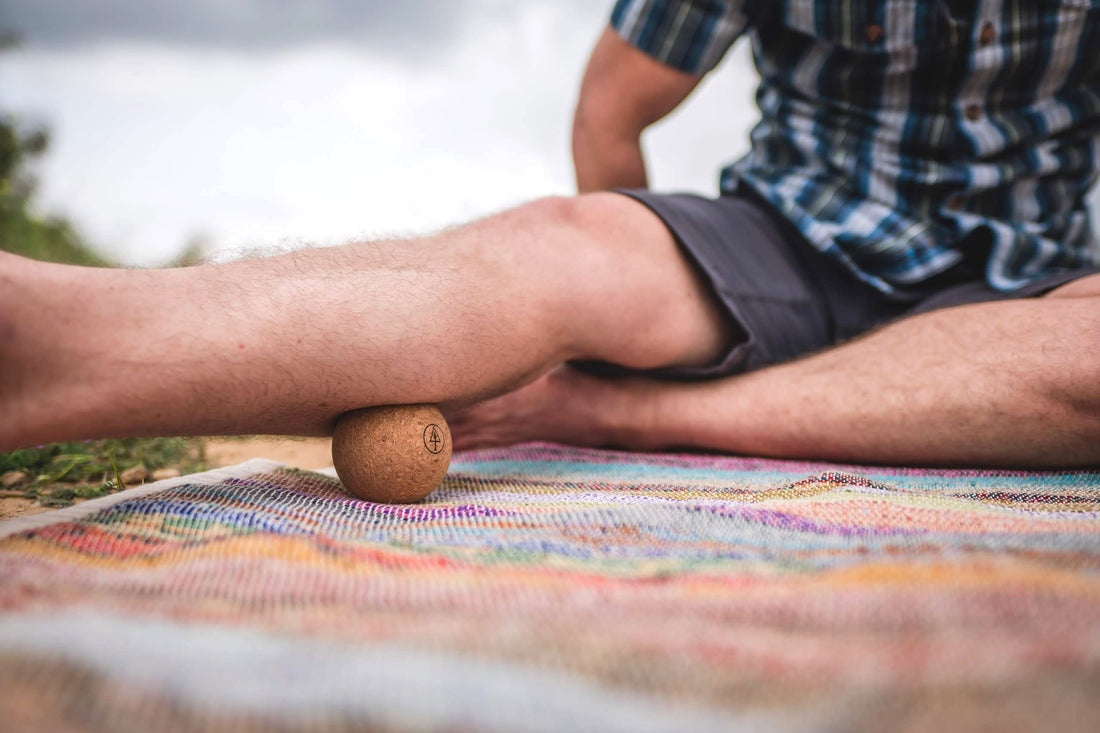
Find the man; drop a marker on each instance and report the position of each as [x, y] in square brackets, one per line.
[902, 270]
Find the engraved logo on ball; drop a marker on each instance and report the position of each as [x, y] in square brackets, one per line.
[433, 438]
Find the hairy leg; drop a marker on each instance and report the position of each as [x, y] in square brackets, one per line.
[1009, 383]
[287, 344]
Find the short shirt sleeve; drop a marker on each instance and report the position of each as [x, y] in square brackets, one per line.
[689, 35]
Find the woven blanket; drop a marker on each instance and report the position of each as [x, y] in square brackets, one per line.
[546, 588]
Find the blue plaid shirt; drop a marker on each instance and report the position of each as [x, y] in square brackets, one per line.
[907, 138]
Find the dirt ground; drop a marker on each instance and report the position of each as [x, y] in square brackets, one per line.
[308, 453]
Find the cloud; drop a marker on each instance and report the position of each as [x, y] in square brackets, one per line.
[321, 142]
[316, 142]
[238, 24]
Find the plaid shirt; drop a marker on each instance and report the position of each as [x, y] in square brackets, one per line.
[907, 138]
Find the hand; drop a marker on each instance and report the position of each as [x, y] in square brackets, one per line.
[562, 406]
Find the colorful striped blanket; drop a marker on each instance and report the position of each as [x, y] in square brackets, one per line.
[545, 588]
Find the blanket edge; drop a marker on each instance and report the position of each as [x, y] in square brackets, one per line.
[16, 525]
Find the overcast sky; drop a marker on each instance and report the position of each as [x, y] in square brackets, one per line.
[267, 123]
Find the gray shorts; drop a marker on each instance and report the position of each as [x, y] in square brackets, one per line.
[783, 297]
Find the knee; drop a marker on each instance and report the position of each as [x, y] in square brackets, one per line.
[592, 219]
[549, 209]
[570, 244]
[545, 215]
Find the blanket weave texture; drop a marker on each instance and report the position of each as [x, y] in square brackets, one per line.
[546, 588]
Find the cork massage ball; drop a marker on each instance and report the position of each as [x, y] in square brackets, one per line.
[394, 454]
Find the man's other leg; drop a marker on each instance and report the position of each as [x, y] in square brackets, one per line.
[286, 344]
[1012, 383]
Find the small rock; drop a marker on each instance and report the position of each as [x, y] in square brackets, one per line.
[162, 473]
[12, 478]
[134, 475]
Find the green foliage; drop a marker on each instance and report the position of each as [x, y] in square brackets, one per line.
[22, 232]
[59, 472]
[79, 461]
[51, 240]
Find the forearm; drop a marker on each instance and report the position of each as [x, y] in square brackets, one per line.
[622, 93]
[941, 388]
[605, 159]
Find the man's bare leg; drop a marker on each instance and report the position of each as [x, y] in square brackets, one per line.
[1009, 383]
[287, 344]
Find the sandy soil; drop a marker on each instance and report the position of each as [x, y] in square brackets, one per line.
[18, 507]
[308, 453]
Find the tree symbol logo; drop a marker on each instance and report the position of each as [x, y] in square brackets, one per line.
[433, 438]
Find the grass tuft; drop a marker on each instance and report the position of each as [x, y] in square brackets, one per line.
[61, 472]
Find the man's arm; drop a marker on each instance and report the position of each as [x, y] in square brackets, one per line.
[623, 92]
